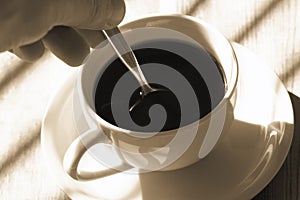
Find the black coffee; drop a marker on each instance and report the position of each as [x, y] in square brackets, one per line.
[195, 66]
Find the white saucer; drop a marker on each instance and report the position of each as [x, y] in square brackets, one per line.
[243, 163]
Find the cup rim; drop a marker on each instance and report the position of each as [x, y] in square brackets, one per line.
[228, 91]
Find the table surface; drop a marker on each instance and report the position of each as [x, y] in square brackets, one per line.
[269, 28]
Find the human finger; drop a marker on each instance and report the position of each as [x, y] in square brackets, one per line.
[67, 45]
[30, 52]
[20, 26]
[92, 37]
[90, 14]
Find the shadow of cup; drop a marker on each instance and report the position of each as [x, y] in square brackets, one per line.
[243, 153]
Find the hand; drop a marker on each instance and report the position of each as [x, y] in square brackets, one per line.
[68, 28]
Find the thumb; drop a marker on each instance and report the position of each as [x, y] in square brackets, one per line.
[90, 14]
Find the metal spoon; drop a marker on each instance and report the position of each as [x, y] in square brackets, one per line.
[126, 55]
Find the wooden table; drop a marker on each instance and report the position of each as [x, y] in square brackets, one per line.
[270, 28]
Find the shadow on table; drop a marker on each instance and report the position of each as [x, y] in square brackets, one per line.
[226, 171]
[195, 6]
[257, 20]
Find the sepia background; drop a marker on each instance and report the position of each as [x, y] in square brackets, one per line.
[269, 28]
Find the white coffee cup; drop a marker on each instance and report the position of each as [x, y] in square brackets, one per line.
[152, 151]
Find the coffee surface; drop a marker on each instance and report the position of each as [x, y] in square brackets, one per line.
[203, 75]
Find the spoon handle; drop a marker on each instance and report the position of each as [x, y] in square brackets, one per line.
[126, 55]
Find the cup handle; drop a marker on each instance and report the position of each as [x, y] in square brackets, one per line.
[77, 149]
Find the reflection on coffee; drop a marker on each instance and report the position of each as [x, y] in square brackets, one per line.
[208, 93]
